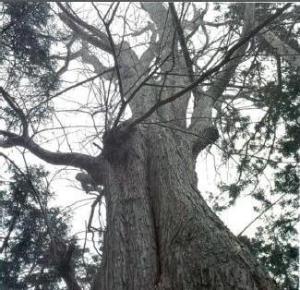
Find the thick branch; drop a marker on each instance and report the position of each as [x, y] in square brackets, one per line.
[157, 13]
[91, 59]
[151, 51]
[164, 28]
[57, 158]
[282, 49]
[228, 71]
[17, 110]
[98, 38]
[207, 136]
[182, 42]
[203, 105]
[227, 58]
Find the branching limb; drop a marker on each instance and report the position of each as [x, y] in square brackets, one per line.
[10, 101]
[186, 54]
[89, 58]
[88, 184]
[204, 104]
[196, 22]
[85, 31]
[151, 51]
[164, 28]
[70, 56]
[86, 56]
[11, 227]
[282, 48]
[93, 206]
[57, 158]
[227, 58]
[114, 51]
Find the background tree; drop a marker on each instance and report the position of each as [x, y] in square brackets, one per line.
[33, 234]
[165, 83]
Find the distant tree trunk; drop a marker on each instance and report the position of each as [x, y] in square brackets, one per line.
[160, 232]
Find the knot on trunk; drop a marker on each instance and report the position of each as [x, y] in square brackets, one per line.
[87, 182]
[116, 142]
[206, 137]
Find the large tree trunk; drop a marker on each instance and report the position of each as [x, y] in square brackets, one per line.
[160, 232]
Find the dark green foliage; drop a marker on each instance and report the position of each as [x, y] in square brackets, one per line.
[25, 256]
[277, 250]
[25, 56]
[25, 262]
[266, 145]
[25, 42]
[272, 144]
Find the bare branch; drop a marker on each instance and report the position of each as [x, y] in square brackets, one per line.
[98, 38]
[17, 110]
[91, 59]
[262, 213]
[11, 227]
[70, 56]
[204, 104]
[227, 58]
[223, 78]
[83, 82]
[113, 49]
[180, 33]
[57, 158]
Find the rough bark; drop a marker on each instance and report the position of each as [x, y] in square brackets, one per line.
[160, 232]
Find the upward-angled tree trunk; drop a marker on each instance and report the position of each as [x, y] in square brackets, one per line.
[160, 232]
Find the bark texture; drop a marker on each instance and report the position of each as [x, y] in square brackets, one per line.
[160, 235]
[160, 232]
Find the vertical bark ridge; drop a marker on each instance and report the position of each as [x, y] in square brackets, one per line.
[160, 232]
[130, 261]
[197, 250]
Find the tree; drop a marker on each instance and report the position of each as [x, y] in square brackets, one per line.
[160, 232]
[36, 249]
